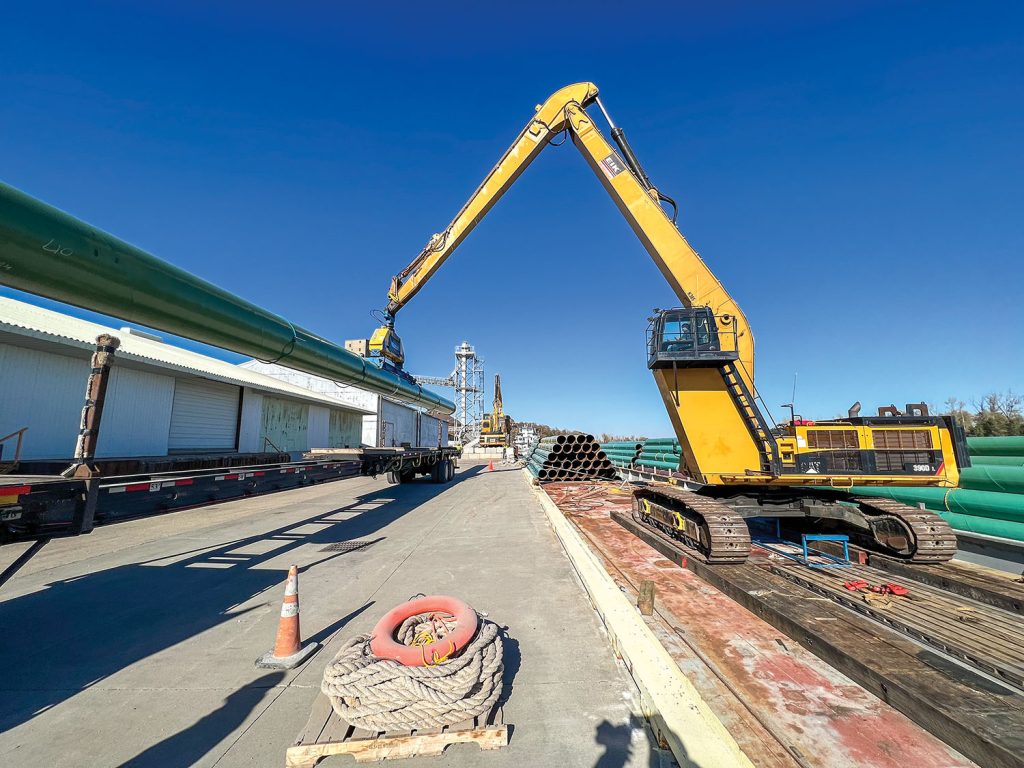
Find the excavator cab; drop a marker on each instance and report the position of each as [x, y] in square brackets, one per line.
[686, 337]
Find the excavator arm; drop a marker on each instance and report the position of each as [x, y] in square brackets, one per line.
[717, 435]
[702, 354]
[627, 184]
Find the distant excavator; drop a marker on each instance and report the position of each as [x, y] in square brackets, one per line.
[738, 463]
[496, 428]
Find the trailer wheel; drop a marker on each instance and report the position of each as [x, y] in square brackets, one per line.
[437, 472]
[449, 470]
[394, 478]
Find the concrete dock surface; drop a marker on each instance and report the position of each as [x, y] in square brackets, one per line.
[134, 645]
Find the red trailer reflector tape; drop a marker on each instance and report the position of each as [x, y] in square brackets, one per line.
[10, 494]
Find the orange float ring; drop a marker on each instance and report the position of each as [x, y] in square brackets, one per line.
[384, 645]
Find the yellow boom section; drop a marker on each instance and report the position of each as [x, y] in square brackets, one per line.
[682, 267]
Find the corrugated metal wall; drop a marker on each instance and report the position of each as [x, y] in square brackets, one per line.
[317, 435]
[345, 430]
[137, 414]
[149, 414]
[45, 393]
[397, 425]
[429, 431]
[401, 424]
[286, 423]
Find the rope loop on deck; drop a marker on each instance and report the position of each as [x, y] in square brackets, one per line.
[382, 695]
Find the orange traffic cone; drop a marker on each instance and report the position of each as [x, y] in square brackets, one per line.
[288, 651]
[490, 466]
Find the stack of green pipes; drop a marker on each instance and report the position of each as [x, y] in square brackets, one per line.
[660, 453]
[622, 453]
[990, 497]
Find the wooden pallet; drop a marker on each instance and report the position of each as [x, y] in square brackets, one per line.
[327, 734]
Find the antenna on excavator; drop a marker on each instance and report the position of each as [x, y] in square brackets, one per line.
[792, 403]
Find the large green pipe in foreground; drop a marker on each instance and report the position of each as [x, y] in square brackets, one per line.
[1000, 461]
[993, 478]
[996, 446]
[987, 526]
[979, 504]
[49, 253]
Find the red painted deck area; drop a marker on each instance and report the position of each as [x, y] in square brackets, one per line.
[784, 706]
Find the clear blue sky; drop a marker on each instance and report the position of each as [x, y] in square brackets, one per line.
[852, 171]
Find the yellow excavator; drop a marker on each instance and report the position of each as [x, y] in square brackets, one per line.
[739, 464]
[496, 429]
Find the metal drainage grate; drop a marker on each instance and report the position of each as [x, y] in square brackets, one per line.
[347, 546]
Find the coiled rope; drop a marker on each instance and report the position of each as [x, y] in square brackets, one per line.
[382, 695]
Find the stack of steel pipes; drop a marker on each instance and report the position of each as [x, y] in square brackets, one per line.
[569, 457]
[660, 453]
[990, 499]
[622, 453]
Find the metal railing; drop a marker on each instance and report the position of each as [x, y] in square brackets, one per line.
[18, 433]
[267, 441]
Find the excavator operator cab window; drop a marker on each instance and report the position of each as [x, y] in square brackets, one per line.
[685, 336]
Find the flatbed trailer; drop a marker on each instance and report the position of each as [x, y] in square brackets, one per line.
[44, 506]
[402, 465]
[33, 506]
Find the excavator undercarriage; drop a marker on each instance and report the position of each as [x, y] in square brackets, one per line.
[716, 525]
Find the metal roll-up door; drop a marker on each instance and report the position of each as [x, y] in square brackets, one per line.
[204, 416]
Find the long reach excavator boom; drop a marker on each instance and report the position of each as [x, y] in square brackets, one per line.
[737, 462]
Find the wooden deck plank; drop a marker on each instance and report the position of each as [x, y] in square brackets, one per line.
[336, 737]
[319, 716]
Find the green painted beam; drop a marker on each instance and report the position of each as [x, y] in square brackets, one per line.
[46, 252]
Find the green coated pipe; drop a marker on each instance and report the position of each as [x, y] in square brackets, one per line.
[49, 253]
[1004, 529]
[660, 456]
[981, 504]
[993, 478]
[673, 465]
[997, 461]
[996, 446]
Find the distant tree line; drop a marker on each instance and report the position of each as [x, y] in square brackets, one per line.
[995, 414]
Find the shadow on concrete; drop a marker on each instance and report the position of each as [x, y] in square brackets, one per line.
[75, 633]
[187, 746]
[618, 741]
[512, 658]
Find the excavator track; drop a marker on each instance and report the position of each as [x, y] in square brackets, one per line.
[931, 541]
[706, 525]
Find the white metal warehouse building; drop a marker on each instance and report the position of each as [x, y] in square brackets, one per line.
[390, 425]
[161, 399]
